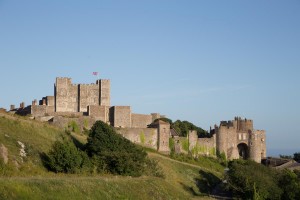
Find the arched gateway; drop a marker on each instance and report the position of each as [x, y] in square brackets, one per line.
[243, 151]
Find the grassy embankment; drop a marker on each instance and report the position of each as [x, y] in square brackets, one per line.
[26, 178]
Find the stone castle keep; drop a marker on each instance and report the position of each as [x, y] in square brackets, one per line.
[86, 103]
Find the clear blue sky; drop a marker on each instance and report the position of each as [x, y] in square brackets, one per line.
[202, 61]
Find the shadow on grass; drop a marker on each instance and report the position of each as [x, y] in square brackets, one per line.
[77, 143]
[45, 160]
[207, 182]
[204, 184]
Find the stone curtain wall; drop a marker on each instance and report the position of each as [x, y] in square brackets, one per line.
[140, 120]
[121, 116]
[144, 136]
[99, 113]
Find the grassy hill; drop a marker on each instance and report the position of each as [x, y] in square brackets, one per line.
[26, 177]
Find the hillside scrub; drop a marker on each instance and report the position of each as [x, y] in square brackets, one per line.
[110, 152]
[65, 157]
[251, 180]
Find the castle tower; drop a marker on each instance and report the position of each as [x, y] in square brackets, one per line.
[104, 88]
[66, 95]
[163, 129]
[221, 134]
[255, 147]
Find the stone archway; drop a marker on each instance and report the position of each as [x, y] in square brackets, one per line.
[243, 151]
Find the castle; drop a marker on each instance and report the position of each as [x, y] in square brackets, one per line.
[84, 104]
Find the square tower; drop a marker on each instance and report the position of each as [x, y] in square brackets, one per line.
[104, 86]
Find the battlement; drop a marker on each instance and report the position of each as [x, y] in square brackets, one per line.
[242, 119]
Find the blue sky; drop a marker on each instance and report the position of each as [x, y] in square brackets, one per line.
[201, 61]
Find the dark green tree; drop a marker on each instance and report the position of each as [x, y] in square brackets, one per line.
[64, 157]
[297, 156]
[113, 153]
[250, 180]
[290, 184]
[183, 128]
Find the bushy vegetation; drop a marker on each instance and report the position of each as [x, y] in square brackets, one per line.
[183, 127]
[113, 153]
[65, 157]
[250, 180]
[106, 152]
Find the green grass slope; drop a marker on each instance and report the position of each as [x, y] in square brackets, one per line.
[26, 178]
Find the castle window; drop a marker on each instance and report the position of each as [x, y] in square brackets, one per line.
[240, 136]
[244, 136]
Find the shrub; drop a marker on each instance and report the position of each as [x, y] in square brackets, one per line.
[65, 157]
[251, 180]
[113, 153]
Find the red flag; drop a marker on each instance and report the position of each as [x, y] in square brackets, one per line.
[95, 73]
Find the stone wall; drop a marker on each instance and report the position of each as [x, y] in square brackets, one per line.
[38, 110]
[140, 121]
[121, 116]
[144, 136]
[82, 122]
[207, 146]
[193, 139]
[163, 137]
[88, 95]
[99, 112]
[104, 92]
[66, 95]
[50, 101]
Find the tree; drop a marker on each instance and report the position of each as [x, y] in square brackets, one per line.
[113, 153]
[64, 157]
[290, 185]
[297, 156]
[183, 128]
[248, 179]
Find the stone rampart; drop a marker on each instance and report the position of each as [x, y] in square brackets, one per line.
[99, 112]
[144, 136]
[140, 120]
[121, 116]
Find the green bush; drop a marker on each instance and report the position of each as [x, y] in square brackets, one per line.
[65, 157]
[113, 153]
[290, 184]
[251, 180]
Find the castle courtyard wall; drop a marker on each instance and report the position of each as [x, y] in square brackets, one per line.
[144, 136]
[99, 112]
[140, 120]
[121, 116]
